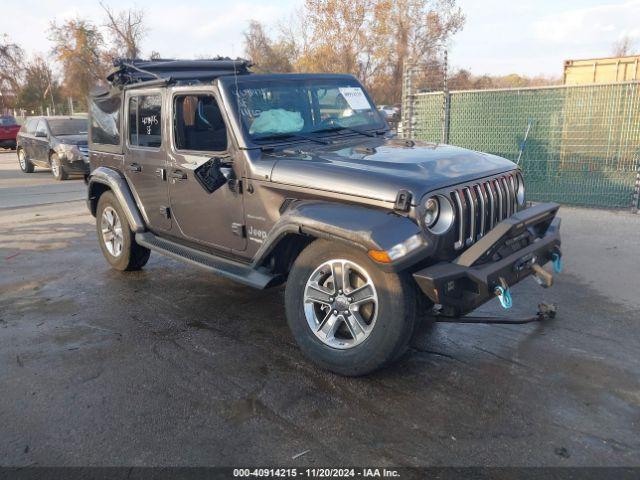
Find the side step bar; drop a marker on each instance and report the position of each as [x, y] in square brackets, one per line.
[227, 268]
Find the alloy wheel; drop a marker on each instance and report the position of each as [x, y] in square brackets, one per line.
[340, 303]
[22, 159]
[111, 229]
[55, 167]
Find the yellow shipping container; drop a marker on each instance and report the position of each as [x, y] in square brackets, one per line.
[602, 70]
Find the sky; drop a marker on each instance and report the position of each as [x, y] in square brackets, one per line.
[500, 37]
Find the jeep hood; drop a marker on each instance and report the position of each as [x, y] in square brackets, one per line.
[379, 168]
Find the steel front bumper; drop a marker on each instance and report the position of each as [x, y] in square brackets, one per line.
[505, 255]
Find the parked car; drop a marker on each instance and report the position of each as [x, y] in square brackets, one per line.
[57, 143]
[295, 178]
[8, 131]
[390, 112]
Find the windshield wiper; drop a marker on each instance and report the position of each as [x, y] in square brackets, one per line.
[283, 136]
[349, 129]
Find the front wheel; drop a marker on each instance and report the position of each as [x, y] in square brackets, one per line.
[25, 164]
[346, 314]
[116, 239]
[57, 169]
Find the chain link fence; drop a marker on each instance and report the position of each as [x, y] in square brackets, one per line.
[576, 145]
[62, 108]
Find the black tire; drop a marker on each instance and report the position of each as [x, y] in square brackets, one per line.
[132, 256]
[25, 164]
[57, 168]
[394, 325]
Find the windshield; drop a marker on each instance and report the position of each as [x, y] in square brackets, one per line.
[7, 121]
[285, 108]
[68, 126]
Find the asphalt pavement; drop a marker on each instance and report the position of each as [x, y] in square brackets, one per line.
[38, 188]
[174, 366]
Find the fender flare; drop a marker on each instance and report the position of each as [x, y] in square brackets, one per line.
[361, 227]
[115, 182]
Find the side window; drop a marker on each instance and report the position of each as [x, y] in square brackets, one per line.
[145, 116]
[105, 120]
[42, 127]
[133, 121]
[30, 126]
[198, 124]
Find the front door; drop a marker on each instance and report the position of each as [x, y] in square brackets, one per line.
[145, 159]
[207, 208]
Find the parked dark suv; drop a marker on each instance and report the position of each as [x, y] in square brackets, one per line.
[58, 143]
[267, 179]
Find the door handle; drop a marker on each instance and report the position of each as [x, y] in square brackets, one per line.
[134, 167]
[178, 175]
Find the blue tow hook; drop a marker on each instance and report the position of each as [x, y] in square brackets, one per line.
[504, 295]
[557, 262]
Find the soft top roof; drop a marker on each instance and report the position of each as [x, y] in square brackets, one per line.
[128, 72]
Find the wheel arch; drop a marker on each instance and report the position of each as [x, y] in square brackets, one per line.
[358, 227]
[104, 179]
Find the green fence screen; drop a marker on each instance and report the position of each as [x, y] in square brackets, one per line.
[576, 145]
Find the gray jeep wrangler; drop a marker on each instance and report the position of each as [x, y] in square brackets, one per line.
[295, 178]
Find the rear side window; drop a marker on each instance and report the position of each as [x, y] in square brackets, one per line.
[145, 114]
[105, 120]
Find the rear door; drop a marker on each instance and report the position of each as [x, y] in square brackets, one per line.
[210, 215]
[25, 135]
[145, 158]
[40, 144]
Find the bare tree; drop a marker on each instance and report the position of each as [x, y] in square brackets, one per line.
[267, 55]
[368, 38]
[126, 29]
[41, 88]
[623, 46]
[11, 70]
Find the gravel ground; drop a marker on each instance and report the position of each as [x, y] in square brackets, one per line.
[172, 366]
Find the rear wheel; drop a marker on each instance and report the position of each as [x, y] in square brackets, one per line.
[57, 169]
[346, 314]
[116, 239]
[25, 164]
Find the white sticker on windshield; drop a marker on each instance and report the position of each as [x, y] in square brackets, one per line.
[355, 97]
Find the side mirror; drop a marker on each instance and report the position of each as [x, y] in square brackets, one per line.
[212, 175]
[40, 134]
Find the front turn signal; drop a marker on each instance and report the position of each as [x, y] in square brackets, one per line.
[379, 256]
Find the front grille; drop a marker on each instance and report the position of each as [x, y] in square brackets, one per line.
[84, 150]
[480, 206]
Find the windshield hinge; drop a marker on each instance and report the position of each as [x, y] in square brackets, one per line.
[238, 229]
[235, 185]
[403, 201]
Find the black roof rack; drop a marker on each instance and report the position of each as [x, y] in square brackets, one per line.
[130, 72]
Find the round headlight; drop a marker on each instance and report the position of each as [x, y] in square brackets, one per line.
[431, 211]
[520, 197]
[438, 214]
